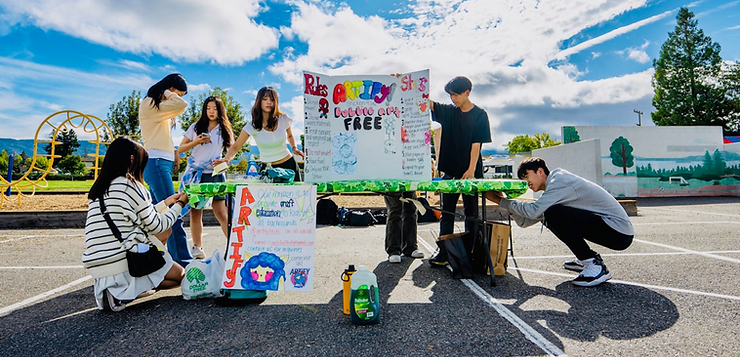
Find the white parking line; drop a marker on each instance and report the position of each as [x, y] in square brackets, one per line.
[627, 254]
[15, 239]
[733, 260]
[8, 309]
[656, 287]
[529, 332]
[45, 267]
[683, 223]
[36, 236]
[689, 211]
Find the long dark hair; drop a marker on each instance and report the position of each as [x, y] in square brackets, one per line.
[257, 109]
[201, 126]
[118, 162]
[175, 80]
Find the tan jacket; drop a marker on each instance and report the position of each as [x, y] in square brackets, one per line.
[156, 125]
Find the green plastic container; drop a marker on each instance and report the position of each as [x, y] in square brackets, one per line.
[364, 301]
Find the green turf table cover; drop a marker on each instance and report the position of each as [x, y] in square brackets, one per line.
[512, 188]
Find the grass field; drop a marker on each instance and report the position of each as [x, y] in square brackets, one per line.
[74, 186]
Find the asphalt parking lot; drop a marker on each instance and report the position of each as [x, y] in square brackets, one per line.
[674, 292]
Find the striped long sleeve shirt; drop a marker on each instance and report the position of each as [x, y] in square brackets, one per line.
[130, 206]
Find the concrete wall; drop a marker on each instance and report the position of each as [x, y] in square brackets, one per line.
[664, 161]
[582, 158]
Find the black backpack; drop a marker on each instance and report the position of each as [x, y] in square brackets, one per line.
[327, 212]
[356, 218]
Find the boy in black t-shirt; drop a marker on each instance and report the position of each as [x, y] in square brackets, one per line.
[464, 128]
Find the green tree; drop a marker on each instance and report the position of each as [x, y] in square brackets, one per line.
[731, 85]
[687, 78]
[72, 164]
[4, 163]
[234, 110]
[621, 154]
[123, 117]
[236, 113]
[570, 135]
[41, 163]
[718, 163]
[68, 146]
[526, 143]
[707, 164]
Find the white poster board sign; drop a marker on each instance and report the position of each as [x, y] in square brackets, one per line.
[367, 127]
[273, 232]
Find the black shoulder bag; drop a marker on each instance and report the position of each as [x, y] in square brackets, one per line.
[139, 263]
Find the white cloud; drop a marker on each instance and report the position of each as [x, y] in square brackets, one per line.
[638, 54]
[505, 47]
[198, 88]
[611, 35]
[31, 92]
[224, 32]
[294, 109]
[134, 65]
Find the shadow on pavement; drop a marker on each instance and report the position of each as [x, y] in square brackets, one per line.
[454, 321]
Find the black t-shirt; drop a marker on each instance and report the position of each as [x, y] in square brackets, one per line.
[459, 131]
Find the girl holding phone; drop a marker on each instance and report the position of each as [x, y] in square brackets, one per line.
[207, 139]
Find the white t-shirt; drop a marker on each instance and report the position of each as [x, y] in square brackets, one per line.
[203, 154]
[272, 144]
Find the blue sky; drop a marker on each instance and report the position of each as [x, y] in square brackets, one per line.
[535, 65]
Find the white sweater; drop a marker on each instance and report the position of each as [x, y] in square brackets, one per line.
[130, 206]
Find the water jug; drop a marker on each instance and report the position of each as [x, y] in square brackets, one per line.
[346, 287]
[252, 171]
[364, 301]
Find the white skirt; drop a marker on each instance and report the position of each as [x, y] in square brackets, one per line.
[124, 287]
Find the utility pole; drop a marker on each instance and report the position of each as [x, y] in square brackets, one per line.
[639, 117]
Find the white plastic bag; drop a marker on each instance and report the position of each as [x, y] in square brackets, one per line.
[203, 278]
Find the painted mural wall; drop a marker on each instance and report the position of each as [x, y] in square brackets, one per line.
[651, 161]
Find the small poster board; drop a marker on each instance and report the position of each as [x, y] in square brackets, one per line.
[367, 127]
[271, 243]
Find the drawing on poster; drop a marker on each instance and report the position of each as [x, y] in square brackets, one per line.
[357, 123]
[271, 246]
[263, 271]
[345, 153]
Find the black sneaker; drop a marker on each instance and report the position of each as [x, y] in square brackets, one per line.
[573, 265]
[438, 261]
[110, 303]
[594, 273]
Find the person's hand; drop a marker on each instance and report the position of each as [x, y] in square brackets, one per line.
[299, 152]
[169, 201]
[216, 162]
[203, 139]
[494, 196]
[176, 166]
[180, 197]
[470, 174]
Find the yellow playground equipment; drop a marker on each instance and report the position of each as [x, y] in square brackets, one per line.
[69, 120]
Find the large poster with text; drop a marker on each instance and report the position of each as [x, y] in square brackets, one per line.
[271, 246]
[367, 127]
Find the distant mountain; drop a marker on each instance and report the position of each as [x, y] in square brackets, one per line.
[17, 146]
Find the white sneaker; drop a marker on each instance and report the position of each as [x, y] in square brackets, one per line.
[417, 254]
[394, 258]
[594, 273]
[110, 303]
[573, 265]
[197, 253]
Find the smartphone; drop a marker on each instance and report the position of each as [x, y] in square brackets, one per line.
[206, 135]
